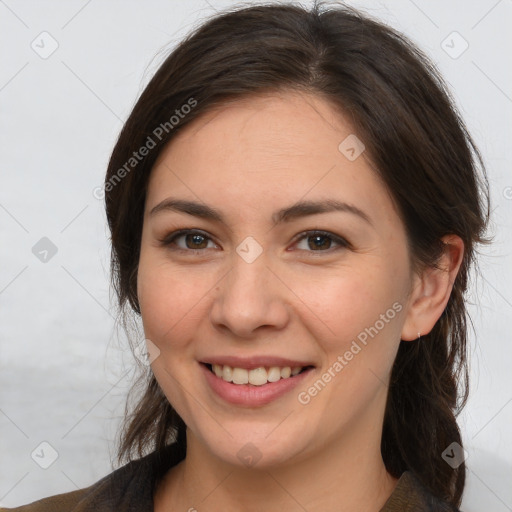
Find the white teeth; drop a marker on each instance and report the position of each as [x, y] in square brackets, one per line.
[256, 376]
[240, 376]
[274, 374]
[227, 373]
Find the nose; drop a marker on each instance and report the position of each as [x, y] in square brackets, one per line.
[250, 299]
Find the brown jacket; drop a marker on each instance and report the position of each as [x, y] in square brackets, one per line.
[130, 489]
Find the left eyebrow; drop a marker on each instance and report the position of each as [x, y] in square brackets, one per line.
[305, 208]
[297, 210]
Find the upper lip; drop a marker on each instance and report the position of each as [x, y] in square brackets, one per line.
[252, 362]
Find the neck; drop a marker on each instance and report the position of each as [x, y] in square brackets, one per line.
[341, 477]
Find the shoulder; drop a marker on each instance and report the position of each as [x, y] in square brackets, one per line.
[410, 495]
[58, 503]
[127, 488]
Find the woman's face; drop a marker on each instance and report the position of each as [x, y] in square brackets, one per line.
[253, 286]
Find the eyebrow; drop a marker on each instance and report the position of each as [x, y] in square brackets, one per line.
[297, 210]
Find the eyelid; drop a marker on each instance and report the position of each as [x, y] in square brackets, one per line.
[341, 241]
[168, 239]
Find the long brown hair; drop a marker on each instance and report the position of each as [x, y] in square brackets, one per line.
[419, 145]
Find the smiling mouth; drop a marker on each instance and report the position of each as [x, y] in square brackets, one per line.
[255, 376]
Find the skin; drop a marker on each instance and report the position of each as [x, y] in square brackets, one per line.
[248, 159]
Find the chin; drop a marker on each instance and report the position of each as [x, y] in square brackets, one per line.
[257, 451]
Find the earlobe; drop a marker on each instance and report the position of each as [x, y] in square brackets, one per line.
[432, 289]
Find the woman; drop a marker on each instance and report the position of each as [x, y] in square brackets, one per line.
[294, 205]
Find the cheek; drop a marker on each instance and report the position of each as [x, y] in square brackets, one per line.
[344, 305]
[170, 301]
[356, 318]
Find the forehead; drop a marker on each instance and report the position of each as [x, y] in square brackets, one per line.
[279, 147]
[279, 125]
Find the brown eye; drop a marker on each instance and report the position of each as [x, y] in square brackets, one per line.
[192, 240]
[196, 241]
[188, 240]
[321, 241]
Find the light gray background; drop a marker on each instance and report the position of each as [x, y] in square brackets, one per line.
[64, 371]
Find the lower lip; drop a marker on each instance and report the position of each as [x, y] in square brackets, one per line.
[249, 395]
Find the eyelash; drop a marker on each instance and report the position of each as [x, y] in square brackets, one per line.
[169, 240]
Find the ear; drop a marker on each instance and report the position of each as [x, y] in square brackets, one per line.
[432, 289]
